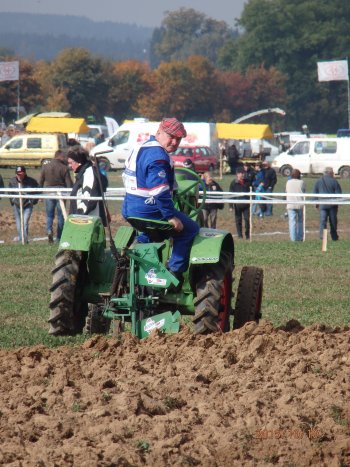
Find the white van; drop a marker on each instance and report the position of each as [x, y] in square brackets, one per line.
[313, 155]
[139, 130]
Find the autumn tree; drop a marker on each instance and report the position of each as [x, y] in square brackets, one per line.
[29, 88]
[187, 89]
[170, 92]
[129, 80]
[82, 80]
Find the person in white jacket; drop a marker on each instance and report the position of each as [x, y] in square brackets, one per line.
[295, 206]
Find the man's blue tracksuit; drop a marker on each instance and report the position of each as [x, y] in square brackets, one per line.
[149, 181]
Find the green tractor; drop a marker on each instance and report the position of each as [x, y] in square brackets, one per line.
[130, 286]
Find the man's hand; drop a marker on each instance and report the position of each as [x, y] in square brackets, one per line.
[176, 223]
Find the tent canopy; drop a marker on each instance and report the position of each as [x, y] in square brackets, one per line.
[57, 125]
[243, 131]
[28, 117]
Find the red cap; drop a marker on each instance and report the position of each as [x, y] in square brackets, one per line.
[173, 127]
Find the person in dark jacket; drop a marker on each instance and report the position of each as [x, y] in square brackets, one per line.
[249, 173]
[239, 185]
[55, 174]
[328, 184]
[210, 210]
[232, 158]
[86, 185]
[270, 180]
[21, 180]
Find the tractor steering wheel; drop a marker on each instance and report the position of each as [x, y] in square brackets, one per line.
[186, 197]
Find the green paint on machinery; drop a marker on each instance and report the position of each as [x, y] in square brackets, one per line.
[130, 286]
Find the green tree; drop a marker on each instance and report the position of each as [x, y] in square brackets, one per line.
[293, 36]
[187, 32]
[82, 80]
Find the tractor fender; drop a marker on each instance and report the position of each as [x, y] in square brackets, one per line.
[81, 233]
[208, 244]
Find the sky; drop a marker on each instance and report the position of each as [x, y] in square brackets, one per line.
[141, 12]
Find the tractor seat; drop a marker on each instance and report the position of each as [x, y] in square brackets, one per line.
[156, 230]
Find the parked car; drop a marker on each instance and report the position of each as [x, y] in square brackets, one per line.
[31, 149]
[202, 157]
[343, 133]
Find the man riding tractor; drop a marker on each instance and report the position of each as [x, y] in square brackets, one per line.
[158, 270]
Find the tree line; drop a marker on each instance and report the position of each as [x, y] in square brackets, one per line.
[200, 69]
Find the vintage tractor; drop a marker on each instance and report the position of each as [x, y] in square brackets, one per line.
[129, 284]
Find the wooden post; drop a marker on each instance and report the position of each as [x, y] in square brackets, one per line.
[62, 205]
[324, 240]
[21, 213]
[250, 214]
[304, 221]
[220, 165]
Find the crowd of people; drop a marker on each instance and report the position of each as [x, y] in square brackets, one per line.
[259, 178]
[55, 175]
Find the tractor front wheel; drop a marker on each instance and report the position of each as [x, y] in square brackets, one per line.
[67, 310]
[249, 296]
[213, 296]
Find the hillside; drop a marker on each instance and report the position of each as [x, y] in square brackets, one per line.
[41, 37]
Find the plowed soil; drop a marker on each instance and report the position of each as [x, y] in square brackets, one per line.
[254, 396]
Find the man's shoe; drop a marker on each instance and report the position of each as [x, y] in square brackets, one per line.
[176, 288]
[50, 237]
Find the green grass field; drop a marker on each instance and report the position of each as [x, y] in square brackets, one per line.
[300, 282]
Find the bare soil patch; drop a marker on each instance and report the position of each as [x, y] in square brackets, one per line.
[255, 396]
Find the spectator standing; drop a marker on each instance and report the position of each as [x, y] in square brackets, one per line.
[55, 174]
[21, 180]
[295, 206]
[327, 184]
[10, 132]
[99, 138]
[223, 157]
[241, 210]
[270, 180]
[258, 187]
[232, 158]
[210, 210]
[249, 173]
[86, 185]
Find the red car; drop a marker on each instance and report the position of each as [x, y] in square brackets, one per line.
[202, 157]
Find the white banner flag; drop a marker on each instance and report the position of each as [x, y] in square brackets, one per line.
[336, 70]
[9, 71]
[112, 125]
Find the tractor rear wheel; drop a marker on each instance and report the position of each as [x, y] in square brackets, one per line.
[67, 310]
[249, 296]
[95, 322]
[213, 296]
